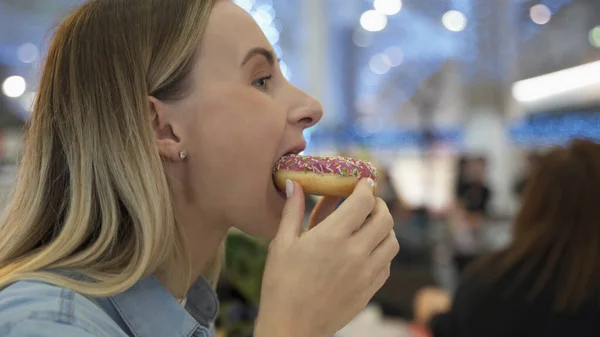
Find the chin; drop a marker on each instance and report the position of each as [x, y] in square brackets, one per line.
[267, 217]
[265, 220]
[273, 210]
[268, 234]
[269, 227]
[266, 230]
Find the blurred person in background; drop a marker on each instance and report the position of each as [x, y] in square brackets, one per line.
[530, 165]
[547, 282]
[473, 193]
[461, 174]
[150, 141]
[387, 191]
[469, 214]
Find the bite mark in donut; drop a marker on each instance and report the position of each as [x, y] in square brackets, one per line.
[327, 176]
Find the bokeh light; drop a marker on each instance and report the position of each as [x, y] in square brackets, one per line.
[264, 15]
[373, 21]
[285, 70]
[540, 14]
[14, 86]
[272, 34]
[395, 56]
[595, 37]
[278, 50]
[388, 7]
[454, 21]
[245, 4]
[28, 53]
[380, 64]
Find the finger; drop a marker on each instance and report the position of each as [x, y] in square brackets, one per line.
[377, 227]
[322, 210]
[386, 251]
[354, 210]
[380, 278]
[377, 280]
[293, 213]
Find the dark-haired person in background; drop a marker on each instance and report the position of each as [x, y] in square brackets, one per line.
[519, 187]
[547, 282]
[473, 196]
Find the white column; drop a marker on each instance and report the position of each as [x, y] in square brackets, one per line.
[314, 52]
[486, 134]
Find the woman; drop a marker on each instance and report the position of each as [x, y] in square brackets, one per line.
[155, 130]
[473, 197]
[547, 282]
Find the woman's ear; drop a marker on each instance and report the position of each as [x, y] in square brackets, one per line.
[168, 141]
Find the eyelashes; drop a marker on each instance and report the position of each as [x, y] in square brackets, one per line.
[262, 83]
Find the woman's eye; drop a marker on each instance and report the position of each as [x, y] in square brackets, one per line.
[262, 83]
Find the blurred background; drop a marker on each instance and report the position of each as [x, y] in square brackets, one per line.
[451, 99]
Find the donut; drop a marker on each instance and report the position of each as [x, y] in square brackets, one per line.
[325, 176]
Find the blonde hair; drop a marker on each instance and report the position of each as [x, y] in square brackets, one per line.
[92, 193]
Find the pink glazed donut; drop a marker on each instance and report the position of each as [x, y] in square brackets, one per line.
[326, 176]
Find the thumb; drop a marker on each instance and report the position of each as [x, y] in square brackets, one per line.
[293, 213]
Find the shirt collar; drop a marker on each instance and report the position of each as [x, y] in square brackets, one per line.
[202, 302]
[150, 310]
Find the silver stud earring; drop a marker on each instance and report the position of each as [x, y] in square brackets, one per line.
[182, 155]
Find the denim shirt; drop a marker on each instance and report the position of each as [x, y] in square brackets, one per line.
[37, 309]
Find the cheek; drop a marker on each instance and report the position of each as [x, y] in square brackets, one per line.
[241, 129]
[237, 141]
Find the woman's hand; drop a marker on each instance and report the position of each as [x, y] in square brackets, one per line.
[315, 283]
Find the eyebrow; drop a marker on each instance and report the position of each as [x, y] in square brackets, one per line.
[260, 51]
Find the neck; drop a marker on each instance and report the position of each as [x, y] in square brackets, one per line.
[202, 239]
[203, 243]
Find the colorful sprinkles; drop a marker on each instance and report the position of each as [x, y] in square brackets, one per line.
[347, 167]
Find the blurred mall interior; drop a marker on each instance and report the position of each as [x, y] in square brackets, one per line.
[438, 94]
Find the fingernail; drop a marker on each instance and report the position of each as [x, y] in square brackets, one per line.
[371, 183]
[289, 188]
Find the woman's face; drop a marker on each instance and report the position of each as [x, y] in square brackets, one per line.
[240, 118]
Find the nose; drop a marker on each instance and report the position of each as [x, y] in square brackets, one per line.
[305, 110]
